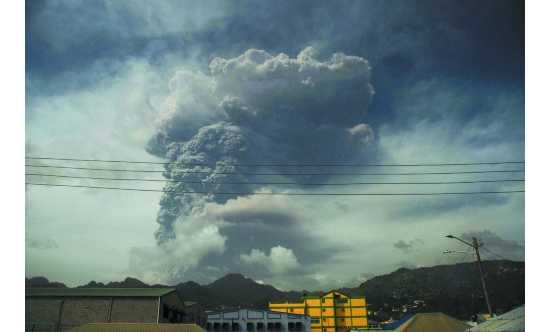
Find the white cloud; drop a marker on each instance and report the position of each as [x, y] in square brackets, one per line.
[168, 263]
[280, 260]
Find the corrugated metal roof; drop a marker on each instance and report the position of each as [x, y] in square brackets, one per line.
[513, 321]
[432, 322]
[137, 327]
[98, 292]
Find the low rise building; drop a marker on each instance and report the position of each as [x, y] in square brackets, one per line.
[330, 312]
[248, 320]
[60, 309]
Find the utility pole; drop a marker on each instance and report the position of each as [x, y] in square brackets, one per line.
[475, 244]
[476, 248]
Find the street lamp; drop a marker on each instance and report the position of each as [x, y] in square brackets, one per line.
[475, 244]
[455, 252]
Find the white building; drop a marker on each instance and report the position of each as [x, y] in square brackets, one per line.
[248, 320]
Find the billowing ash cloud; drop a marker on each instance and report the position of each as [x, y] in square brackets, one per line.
[256, 108]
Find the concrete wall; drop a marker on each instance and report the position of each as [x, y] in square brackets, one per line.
[44, 314]
[78, 311]
[42, 311]
[135, 310]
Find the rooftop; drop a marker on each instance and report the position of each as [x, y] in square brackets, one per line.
[432, 322]
[97, 292]
[137, 327]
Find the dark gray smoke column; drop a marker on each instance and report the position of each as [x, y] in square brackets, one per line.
[256, 108]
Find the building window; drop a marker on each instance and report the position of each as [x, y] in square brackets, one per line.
[323, 309]
[315, 321]
[291, 310]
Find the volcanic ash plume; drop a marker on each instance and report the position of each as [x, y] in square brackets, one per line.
[251, 109]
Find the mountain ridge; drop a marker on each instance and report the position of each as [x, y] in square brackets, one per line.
[453, 289]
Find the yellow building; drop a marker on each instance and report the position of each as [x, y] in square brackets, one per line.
[330, 312]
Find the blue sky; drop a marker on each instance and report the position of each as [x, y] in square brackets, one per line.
[422, 81]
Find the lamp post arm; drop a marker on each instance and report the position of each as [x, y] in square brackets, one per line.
[465, 242]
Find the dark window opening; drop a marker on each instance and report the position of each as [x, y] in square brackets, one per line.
[235, 327]
[250, 326]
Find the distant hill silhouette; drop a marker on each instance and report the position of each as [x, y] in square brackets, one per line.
[127, 283]
[452, 289]
[237, 290]
[42, 282]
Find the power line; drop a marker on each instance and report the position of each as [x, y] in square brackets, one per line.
[269, 164]
[279, 193]
[285, 173]
[274, 183]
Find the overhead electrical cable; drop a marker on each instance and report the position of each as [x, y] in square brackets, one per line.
[282, 173]
[276, 193]
[276, 164]
[275, 183]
